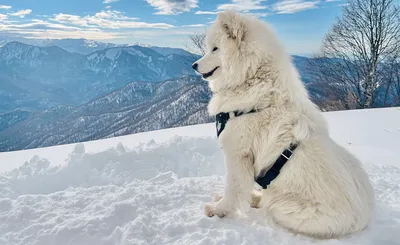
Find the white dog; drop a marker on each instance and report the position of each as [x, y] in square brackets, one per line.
[321, 190]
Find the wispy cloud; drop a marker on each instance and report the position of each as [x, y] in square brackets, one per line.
[294, 6]
[104, 25]
[21, 13]
[110, 1]
[41, 28]
[3, 17]
[206, 12]
[41, 24]
[109, 19]
[194, 25]
[243, 5]
[5, 7]
[173, 7]
[60, 34]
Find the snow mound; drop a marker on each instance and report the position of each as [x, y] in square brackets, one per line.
[154, 193]
[182, 156]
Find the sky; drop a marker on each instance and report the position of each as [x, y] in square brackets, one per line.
[300, 24]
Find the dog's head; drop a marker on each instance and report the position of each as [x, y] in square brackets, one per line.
[236, 44]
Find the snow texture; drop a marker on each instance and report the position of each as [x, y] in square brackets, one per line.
[150, 189]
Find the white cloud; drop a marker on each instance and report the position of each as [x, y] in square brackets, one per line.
[42, 24]
[3, 17]
[294, 6]
[173, 7]
[243, 5]
[110, 19]
[5, 7]
[104, 25]
[206, 12]
[110, 1]
[194, 25]
[22, 13]
[44, 29]
[113, 14]
[70, 19]
[328, 1]
[60, 34]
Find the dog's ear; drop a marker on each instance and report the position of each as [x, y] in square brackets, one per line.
[232, 25]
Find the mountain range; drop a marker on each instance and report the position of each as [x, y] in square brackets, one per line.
[137, 107]
[84, 46]
[37, 78]
[64, 91]
[80, 46]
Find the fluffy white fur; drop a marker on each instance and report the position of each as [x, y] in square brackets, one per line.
[322, 191]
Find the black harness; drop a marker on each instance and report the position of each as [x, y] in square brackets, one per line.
[265, 178]
[222, 118]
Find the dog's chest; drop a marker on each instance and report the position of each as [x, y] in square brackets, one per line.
[235, 135]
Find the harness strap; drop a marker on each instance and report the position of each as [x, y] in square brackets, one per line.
[265, 178]
[222, 118]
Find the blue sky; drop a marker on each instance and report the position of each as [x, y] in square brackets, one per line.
[300, 24]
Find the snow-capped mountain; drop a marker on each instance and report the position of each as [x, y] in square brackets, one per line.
[36, 78]
[136, 107]
[77, 97]
[149, 64]
[85, 46]
[80, 46]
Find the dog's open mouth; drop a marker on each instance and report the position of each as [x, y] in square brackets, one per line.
[209, 74]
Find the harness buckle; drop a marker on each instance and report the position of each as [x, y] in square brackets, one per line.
[287, 157]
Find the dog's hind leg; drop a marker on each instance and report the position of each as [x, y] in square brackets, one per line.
[303, 216]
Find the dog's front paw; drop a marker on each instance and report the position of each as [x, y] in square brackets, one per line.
[209, 209]
[219, 209]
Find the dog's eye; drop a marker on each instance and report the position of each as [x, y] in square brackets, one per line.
[215, 49]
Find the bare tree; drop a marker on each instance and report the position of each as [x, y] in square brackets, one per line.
[197, 44]
[395, 87]
[350, 62]
[392, 92]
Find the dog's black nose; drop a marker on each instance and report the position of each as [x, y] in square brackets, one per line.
[195, 66]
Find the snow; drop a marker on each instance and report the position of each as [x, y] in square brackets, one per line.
[91, 43]
[113, 53]
[134, 51]
[150, 188]
[93, 56]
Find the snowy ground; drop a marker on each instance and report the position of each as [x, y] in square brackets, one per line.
[150, 188]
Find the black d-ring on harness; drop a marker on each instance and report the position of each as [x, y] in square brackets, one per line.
[263, 180]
